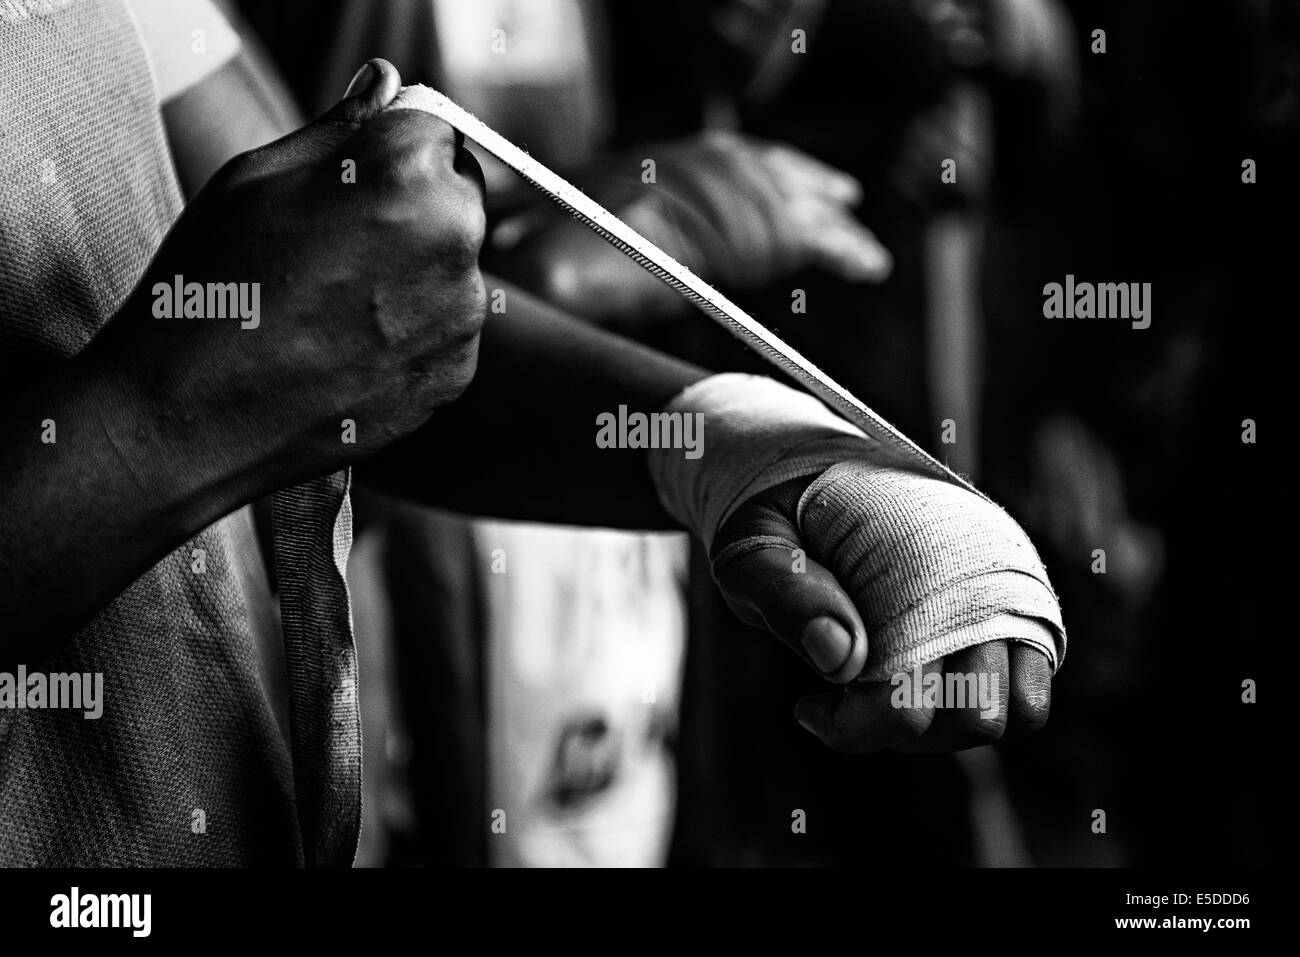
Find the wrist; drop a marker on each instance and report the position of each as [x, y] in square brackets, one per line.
[189, 459]
[759, 434]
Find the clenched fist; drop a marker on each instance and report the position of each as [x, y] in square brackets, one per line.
[924, 599]
[357, 238]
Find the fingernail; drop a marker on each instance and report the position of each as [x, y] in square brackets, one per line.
[827, 644]
[806, 713]
[361, 82]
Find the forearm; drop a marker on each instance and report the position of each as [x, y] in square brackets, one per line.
[96, 489]
[574, 269]
[521, 442]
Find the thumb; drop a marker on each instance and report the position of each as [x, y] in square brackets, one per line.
[376, 85]
[769, 581]
[371, 90]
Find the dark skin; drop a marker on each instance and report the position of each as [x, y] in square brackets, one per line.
[169, 430]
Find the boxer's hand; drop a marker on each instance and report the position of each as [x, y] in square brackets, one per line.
[737, 210]
[360, 233]
[803, 604]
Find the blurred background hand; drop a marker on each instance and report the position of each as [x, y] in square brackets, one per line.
[738, 210]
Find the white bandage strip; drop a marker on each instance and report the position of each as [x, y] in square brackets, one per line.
[930, 587]
[886, 443]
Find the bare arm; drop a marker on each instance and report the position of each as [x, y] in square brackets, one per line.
[521, 441]
[82, 516]
[164, 423]
[147, 454]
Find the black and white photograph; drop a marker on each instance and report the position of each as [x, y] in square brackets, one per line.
[703, 435]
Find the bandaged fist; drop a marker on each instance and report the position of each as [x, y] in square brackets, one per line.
[924, 599]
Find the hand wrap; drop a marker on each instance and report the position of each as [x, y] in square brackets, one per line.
[932, 568]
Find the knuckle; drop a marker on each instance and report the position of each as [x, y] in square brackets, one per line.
[466, 365]
[467, 313]
[1032, 711]
[444, 377]
[425, 127]
[402, 160]
[406, 171]
[464, 236]
[719, 139]
[720, 146]
[239, 169]
[475, 311]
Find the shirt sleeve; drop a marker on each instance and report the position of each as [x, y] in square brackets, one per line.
[186, 41]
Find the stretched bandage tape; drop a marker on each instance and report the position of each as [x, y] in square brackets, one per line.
[932, 563]
[886, 443]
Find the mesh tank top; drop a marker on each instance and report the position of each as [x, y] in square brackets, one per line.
[187, 765]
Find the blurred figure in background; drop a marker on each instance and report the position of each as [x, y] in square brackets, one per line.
[1130, 441]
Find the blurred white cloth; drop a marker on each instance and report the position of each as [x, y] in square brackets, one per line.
[186, 41]
[586, 635]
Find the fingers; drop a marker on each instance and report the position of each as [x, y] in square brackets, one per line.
[769, 582]
[819, 199]
[422, 175]
[376, 85]
[985, 694]
[974, 698]
[836, 241]
[798, 174]
[777, 587]
[1031, 690]
[863, 718]
[414, 137]
[424, 136]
